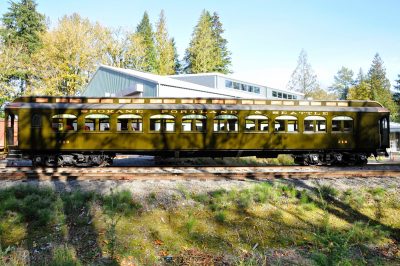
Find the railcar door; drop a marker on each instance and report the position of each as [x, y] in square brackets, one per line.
[11, 130]
[384, 132]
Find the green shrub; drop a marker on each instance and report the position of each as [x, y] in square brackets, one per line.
[220, 217]
[327, 192]
[64, 256]
[244, 200]
[121, 203]
[190, 223]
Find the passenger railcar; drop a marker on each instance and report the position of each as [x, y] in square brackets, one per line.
[91, 131]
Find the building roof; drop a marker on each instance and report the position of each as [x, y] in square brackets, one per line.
[233, 79]
[394, 127]
[168, 81]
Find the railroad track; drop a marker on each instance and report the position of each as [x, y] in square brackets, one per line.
[196, 172]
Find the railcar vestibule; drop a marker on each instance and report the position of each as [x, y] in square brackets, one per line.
[196, 123]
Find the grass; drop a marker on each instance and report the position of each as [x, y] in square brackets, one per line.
[236, 227]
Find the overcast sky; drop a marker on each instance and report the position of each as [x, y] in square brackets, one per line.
[266, 37]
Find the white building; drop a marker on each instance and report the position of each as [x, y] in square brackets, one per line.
[112, 81]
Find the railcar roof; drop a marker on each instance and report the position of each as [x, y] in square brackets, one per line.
[172, 101]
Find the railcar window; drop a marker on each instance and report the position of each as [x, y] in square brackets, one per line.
[225, 123]
[162, 123]
[64, 122]
[129, 122]
[286, 123]
[97, 122]
[194, 123]
[36, 121]
[342, 124]
[314, 124]
[256, 123]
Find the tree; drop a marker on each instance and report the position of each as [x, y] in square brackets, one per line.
[320, 94]
[164, 48]
[178, 65]
[223, 55]
[360, 77]
[380, 85]
[207, 51]
[375, 86]
[396, 96]
[69, 56]
[136, 54]
[144, 29]
[23, 25]
[115, 42]
[303, 78]
[343, 80]
[360, 91]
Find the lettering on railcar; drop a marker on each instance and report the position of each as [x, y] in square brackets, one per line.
[189, 111]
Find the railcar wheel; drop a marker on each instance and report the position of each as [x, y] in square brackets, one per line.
[50, 161]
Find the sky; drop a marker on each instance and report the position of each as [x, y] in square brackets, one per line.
[265, 37]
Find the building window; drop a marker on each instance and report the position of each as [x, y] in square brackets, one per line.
[286, 123]
[342, 124]
[236, 85]
[244, 87]
[162, 123]
[290, 96]
[251, 88]
[279, 94]
[256, 89]
[64, 122]
[274, 94]
[314, 124]
[225, 123]
[194, 123]
[228, 84]
[129, 122]
[294, 97]
[256, 123]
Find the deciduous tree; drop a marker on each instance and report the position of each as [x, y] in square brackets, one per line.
[303, 78]
[70, 55]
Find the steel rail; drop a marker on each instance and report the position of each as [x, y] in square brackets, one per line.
[195, 172]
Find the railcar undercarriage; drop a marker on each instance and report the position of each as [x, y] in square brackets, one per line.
[106, 159]
[333, 158]
[73, 159]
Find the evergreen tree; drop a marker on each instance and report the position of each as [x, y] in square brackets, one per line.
[144, 29]
[178, 65]
[201, 54]
[22, 30]
[343, 80]
[207, 51]
[224, 56]
[303, 78]
[380, 86]
[396, 96]
[23, 25]
[360, 77]
[164, 48]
